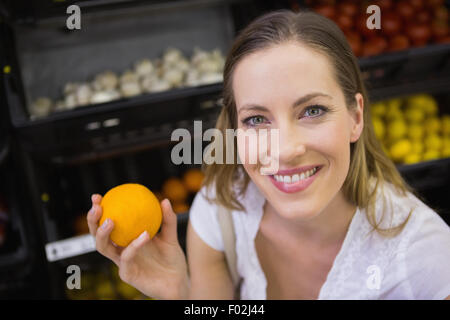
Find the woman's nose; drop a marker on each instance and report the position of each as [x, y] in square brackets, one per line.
[291, 143]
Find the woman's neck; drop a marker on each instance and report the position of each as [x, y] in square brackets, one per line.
[326, 228]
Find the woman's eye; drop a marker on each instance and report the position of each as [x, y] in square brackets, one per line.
[315, 111]
[254, 121]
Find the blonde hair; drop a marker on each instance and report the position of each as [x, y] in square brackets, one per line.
[367, 158]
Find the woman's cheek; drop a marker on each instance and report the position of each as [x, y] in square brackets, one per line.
[247, 146]
[332, 141]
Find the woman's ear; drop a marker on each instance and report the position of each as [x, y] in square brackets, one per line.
[357, 114]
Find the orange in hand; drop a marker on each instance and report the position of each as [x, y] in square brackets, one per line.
[134, 209]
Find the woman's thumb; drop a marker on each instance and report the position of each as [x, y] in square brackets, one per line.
[169, 222]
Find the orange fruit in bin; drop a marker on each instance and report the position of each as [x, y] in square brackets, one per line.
[193, 179]
[174, 189]
[180, 207]
[134, 209]
[80, 225]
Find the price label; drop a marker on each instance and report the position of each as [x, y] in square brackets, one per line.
[70, 247]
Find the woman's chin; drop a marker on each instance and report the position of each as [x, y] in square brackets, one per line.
[291, 211]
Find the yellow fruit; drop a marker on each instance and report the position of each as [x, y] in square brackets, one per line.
[400, 149]
[134, 209]
[430, 106]
[378, 127]
[378, 109]
[431, 155]
[126, 291]
[425, 102]
[446, 142]
[432, 125]
[433, 142]
[395, 103]
[193, 179]
[105, 291]
[446, 124]
[417, 147]
[174, 189]
[446, 152]
[393, 114]
[415, 132]
[414, 115]
[396, 129]
[412, 158]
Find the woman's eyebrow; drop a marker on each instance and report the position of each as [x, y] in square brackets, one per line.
[297, 102]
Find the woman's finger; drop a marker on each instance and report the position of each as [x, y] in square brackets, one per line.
[131, 250]
[93, 217]
[169, 223]
[103, 242]
[96, 198]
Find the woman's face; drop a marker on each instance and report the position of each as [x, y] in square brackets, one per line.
[291, 88]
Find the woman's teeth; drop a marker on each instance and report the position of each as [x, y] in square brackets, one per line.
[295, 177]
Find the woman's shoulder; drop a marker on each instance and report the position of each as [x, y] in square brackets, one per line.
[393, 207]
[412, 263]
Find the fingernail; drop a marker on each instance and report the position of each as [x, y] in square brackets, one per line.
[105, 224]
[143, 235]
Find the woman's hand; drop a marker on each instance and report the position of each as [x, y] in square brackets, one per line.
[156, 267]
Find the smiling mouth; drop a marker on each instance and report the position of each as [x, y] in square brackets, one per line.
[293, 178]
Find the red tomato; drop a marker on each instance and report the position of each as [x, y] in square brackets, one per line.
[417, 4]
[374, 46]
[354, 40]
[405, 10]
[383, 4]
[439, 29]
[344, 22]
[398, 42]
[444, 40]
[391, 24]
[434, 3]
[348, 8]
[423, 16]
[326, 10]
[441, 13]
[419, 34]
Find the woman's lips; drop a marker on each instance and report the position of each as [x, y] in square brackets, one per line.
[295, 186]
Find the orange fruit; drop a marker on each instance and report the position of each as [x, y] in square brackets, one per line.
[134, 209]
[80, 225]
[180, 207]
[193, 179]
[174, 190]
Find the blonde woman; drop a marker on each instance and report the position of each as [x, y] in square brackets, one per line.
[335, 221]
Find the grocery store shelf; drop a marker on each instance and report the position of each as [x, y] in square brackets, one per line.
[428, 174]
[70, 247]
[432, 86]
[425, 69]
[150, 100]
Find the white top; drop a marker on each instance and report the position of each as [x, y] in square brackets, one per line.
[413, 265]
